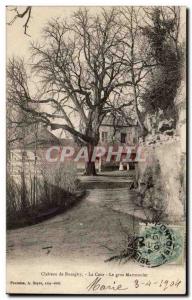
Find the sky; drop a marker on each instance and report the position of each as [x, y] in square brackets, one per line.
[17, 42]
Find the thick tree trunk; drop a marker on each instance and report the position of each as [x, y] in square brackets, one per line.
[143, 129]
[90, 169]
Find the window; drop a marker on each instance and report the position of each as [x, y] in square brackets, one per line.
[123, 138]
[104, 136]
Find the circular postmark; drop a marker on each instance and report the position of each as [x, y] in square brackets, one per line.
[157, 245]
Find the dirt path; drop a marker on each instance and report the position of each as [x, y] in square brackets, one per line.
[83, 230]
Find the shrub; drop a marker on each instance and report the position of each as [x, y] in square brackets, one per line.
[62, 176]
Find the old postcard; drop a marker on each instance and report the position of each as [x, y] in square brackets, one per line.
[96, 150]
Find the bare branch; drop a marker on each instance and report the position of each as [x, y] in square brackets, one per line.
[26, 12]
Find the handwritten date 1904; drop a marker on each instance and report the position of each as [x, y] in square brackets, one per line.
[163, 284]
[98, 285]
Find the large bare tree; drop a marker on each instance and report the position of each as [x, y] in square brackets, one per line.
[80, 69]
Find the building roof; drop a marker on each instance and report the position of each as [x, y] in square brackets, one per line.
[111, 120]
[67, 142]
[40, 138]
[44, 138]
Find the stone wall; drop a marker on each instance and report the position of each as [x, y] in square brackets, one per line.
[168, 149]
[172, 176]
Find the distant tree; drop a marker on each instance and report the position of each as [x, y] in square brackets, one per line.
[138, 61]
[18, 119]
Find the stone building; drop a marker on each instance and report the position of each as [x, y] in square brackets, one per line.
[116, 132]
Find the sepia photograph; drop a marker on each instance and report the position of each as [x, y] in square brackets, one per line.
[96, 123]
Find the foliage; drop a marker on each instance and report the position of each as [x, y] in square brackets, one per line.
[166, 50]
